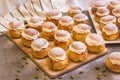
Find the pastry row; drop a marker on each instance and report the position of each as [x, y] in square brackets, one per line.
[107, 16]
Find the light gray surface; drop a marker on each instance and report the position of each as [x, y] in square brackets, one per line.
[11, 60]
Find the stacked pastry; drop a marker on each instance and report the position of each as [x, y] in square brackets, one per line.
[59, 38]
[107, 16]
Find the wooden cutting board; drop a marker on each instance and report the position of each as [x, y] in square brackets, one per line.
[42, 63]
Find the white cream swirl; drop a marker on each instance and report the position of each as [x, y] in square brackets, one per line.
[49, 30]
[112, 29]
[57, 17]
[66, 23]
[94, 42]
[116, 11]
[114, 58]
[28, 37]
[39, 44]
[35, 24]
[84, 18]
[108, 19]
[80, 30]
[78, 51]
[63, 38]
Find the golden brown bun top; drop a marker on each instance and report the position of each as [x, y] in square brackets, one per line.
[84, 26]
[66, 19]
[110, 27]
[31, 31]
[115, 56]
[75, 7]
[108, 18]
[114, 2]
[57, 52]
[95, 37]
[15, 23]
[79, 16]
[35, 19]
[61, 33]
[102, 10]
[49, 25]
[78, 45]
[52, 13]
[40, 42]
[99, 4]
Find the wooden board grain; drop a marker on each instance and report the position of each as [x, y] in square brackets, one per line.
[42, 63]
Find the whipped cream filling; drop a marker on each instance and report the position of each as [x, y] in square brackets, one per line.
[57, 17]
[82, 19]
[80, 51]
[102, 14]
[58, 58]
[18, 27]
[63, 38]
[39, 48]
[115, 62]
[28, 37]
[93, 42]
[80, 30]
[66, 24]
[110, 32]
[74, 11]
[49, 30]
[109, 21]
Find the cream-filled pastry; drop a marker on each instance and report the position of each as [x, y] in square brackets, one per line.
[74, 9]
[53, 16]
[95, 43]
[80, 18]
[57, 59]
[77, 51]
[106, 20]
[35, 22]
[28, 35]
[81, 31]
[113, 62]
[110, 32]
[100, 13]
[118, 23]
[62, 39]
[116, 11]
[15, 28]
[66, 23]
[112, 4]
[97, 4]
[48, 30]
[40, 48]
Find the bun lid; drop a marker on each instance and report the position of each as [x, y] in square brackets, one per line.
[78, 45]
[31, 31]
[66, 19]
[83, 26]
[49, 25]
[99, 4]
[115, 56]
[35, 19]
[61, 33]
[102, 11]
[75, 7]
[108, 19]
[15, 24]
[57, 53]
[52, 13]
[39, 44]
[110, 27]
